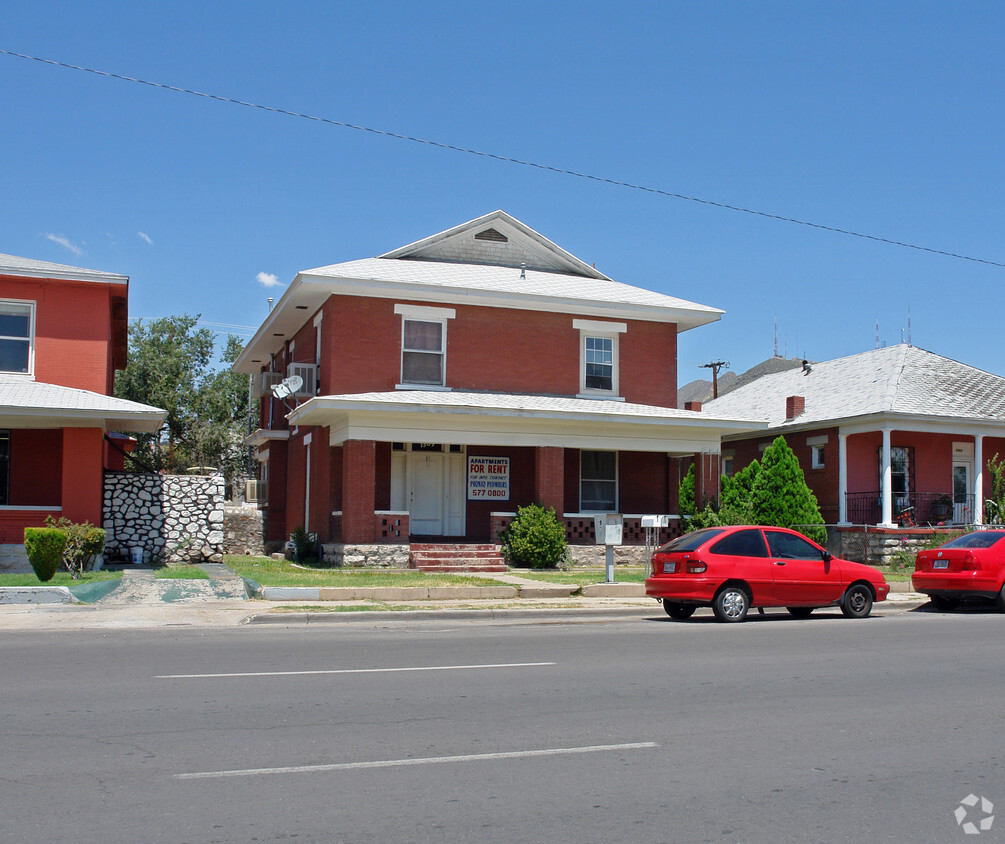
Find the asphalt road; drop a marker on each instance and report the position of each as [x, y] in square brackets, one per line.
[635, 730]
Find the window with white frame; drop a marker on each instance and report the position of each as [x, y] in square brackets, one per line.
[727, 463]
[17, 329]
[816, 445]
[423, 345]
[598, 481]
[598, 352]
[816, 457]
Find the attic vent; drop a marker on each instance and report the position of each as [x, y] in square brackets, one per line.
[492, 234]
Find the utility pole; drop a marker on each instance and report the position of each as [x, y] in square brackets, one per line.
[715, 366]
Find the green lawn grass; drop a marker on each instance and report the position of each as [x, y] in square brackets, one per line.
[584, 576]
[61, 578]
[269, 572]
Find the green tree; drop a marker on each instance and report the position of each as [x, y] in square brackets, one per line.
[734, 499]
[207, 411]
[996, 503]
[779, 494]
[685, 493]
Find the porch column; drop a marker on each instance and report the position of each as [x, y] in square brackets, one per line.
[359, 479]
[978, 479]
[83, 478]
[706, 478]
[842, 478]
[549, 477]
[886, 476]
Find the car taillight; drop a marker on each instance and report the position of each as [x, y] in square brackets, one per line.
[696, 567]
[970, 563]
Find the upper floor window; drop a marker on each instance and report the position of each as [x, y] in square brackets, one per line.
[598, 353]
[423, 345]
[17, 324]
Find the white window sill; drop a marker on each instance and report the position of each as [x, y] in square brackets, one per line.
[599, 396]
[434, 387]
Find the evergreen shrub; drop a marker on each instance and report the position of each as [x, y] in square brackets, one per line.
[45, 548]
[535, 539]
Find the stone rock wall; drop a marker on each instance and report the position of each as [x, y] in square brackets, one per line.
[877, 546]
[243, 532]
[366, 556]
[173, 518]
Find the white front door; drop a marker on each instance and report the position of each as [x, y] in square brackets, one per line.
[435, 493]
[425, 506]
[963, 511]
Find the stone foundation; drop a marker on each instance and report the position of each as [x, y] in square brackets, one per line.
[366, 556]
[877, 546]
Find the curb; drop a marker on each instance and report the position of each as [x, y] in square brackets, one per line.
[37, 595]
[579, 613]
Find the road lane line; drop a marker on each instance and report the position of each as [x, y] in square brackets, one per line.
[354, 670]
[428, 760]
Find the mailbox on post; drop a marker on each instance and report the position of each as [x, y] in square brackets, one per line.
[609, 530]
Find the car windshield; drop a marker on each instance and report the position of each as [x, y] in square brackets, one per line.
[690, 541]
[978, 539]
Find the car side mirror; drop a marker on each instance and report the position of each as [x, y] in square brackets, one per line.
[828, 556]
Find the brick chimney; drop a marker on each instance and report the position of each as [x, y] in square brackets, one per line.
[794, 406]
[693, 405]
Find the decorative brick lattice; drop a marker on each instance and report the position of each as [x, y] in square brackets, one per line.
[391, 527]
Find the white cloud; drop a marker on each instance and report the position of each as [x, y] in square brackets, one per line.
[268, 280]
[63, 240]
[145, 237]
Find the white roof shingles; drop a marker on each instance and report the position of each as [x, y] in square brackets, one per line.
[899, 379]
[50, 405]
[13, 265]
[489, 279]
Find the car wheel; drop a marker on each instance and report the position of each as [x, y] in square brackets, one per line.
[800, 612]
[731, 604]
[943, 604]
[1000, 600]
[678, 611]
[857, 601]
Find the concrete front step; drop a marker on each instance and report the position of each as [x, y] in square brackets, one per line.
[462, 567]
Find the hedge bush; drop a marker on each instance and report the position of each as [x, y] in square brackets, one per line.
[45, 548]
[535, 539]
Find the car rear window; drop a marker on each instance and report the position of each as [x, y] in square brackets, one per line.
[978, 539]
[690, 541]
[743, 543]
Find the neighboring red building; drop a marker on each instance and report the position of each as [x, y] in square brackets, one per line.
[879, 432]
[63, 333]
[450, 381]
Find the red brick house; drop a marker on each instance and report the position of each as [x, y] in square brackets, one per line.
[452, 380]
[879, 432]
[63, 333]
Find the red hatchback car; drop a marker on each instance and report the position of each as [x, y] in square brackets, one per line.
[969, 567]
[735, 568]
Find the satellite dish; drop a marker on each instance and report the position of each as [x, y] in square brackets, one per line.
[287, 387]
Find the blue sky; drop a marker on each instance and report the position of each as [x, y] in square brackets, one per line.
[882, 118]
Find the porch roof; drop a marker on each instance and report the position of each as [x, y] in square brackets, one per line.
[899, 381]
[25, 403]
[516, 419]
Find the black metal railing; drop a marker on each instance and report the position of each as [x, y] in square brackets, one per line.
[921, 508]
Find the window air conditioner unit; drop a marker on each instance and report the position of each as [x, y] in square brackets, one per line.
[266, 381]
[309, 373]
[255, 492]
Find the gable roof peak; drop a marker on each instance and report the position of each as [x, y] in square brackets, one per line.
[496, 239]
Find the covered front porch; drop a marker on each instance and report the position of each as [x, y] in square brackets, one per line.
[907, 473]
[421, 465]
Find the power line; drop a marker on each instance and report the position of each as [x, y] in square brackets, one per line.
[509, 160]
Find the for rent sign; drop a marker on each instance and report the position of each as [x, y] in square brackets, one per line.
[488, 477]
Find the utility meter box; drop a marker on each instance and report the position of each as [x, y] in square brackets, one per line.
[609, 528]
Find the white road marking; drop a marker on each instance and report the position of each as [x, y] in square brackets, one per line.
[354, 670]
[429, 760]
